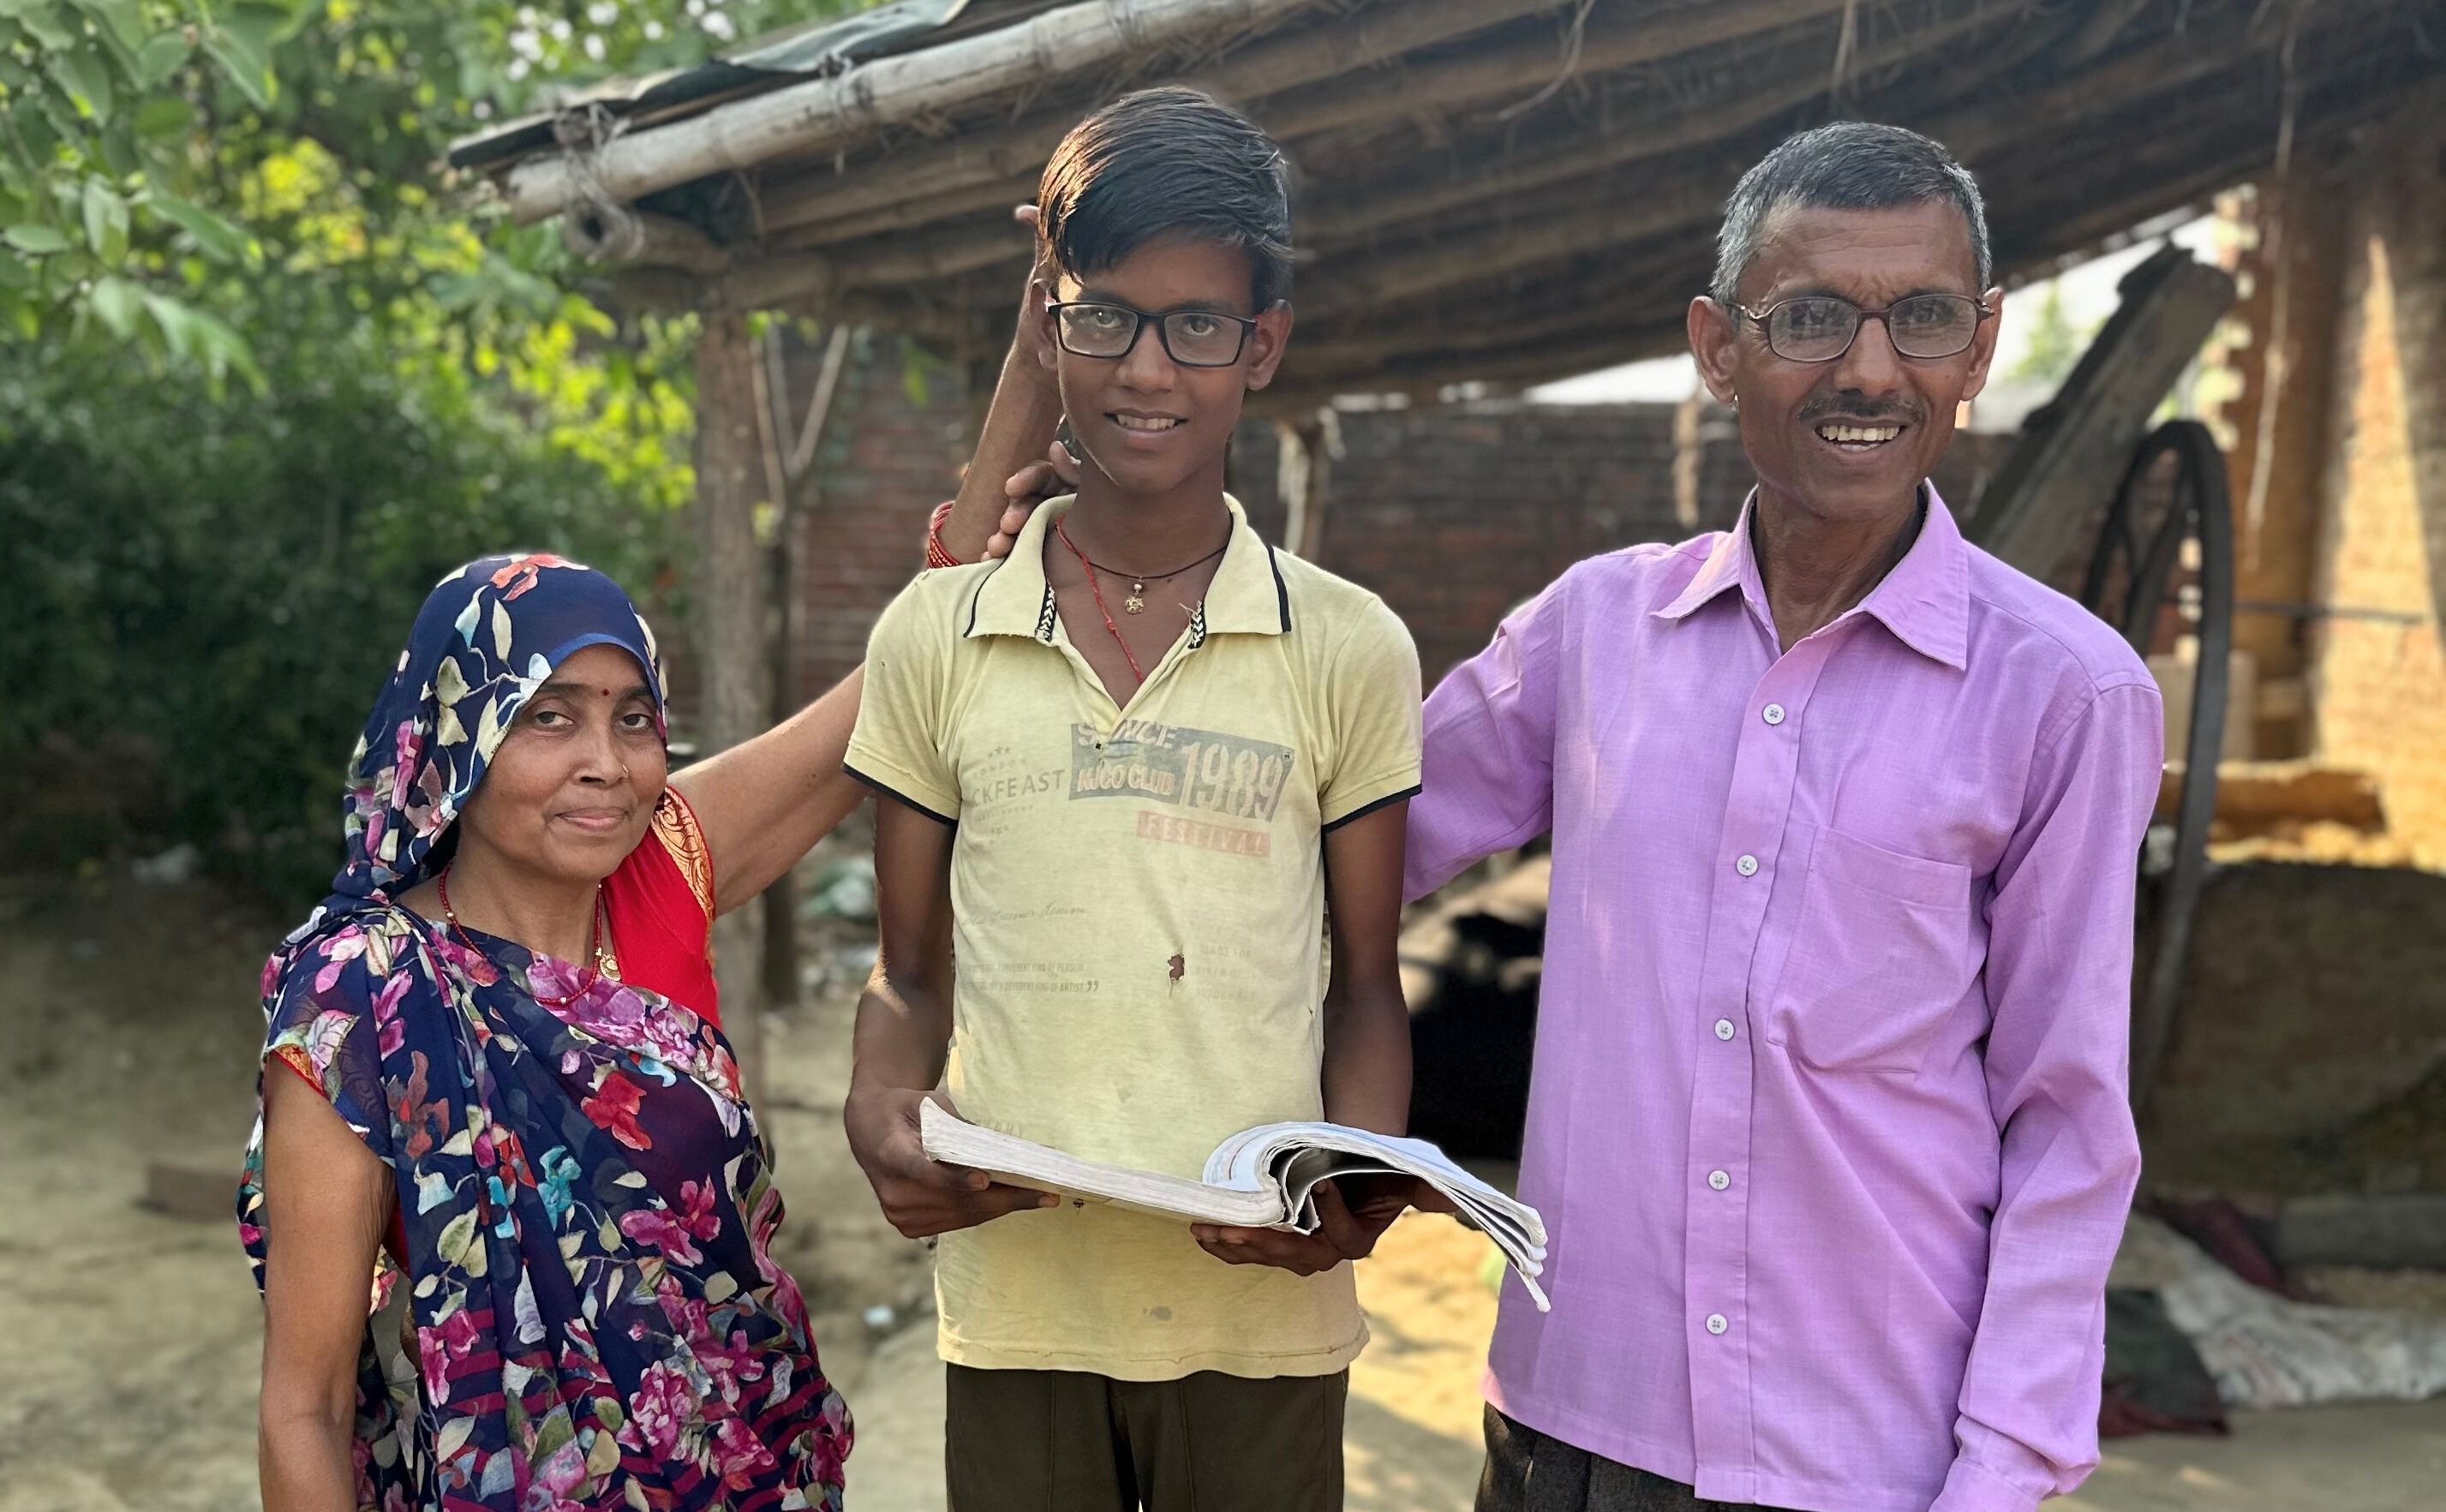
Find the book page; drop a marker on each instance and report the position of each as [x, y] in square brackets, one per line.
[1259, 1178]
[1007, 1158]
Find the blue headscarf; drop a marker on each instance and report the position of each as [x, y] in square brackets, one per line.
[488, 635]
[586, 1198]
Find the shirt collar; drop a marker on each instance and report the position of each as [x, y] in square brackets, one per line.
[1246, 597]
[1925, 600]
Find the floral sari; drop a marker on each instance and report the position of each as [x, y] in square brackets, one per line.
[586, 1198]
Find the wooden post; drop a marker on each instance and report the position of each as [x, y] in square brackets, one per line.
[2409, 213]
[2280, 418]
[2072, 450]
[789, 445]
[1307, 446]
[779, 967]
[728, 599]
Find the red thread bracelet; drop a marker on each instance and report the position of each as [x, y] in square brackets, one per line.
[937, 555]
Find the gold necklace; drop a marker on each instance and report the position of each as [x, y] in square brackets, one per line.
[598, 942]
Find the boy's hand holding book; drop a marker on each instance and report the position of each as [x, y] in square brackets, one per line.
[922, 1197]
[1348, 1228]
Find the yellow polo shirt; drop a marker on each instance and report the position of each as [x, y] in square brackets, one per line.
[1137, 899]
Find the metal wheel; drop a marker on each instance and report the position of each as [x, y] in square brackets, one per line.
[2133, 573]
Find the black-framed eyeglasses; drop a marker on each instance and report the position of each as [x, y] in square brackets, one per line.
[1193, 337]
[1820, 327]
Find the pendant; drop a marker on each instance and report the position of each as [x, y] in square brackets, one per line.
[1135, 604]
[609, 966]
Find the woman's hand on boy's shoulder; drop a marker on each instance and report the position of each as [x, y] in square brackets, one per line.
[921, 1196]
[1027, 489]
[1344, 1232]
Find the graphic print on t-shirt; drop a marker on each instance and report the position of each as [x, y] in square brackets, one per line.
[1207, 772]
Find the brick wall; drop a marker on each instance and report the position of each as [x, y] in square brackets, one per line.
[1454, 514]
[2378, 671]
[2295, 255]
[888, 457]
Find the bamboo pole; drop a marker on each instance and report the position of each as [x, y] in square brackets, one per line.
[1425, 375]
[2212, 153]
[986, 244]
[1337, 217]
[824, 114]
[1349, 212]
[1450, 259]
[1335, 353]
[2141, 106]
[1515, 242]
[1968, 128]
[896, 191]
[2197, 52]
[778, 286]
[1334, 100]
[632, 237]
[798, 221]
[2188, 147]
[2106, 23]
[1644, 283]
[964, 248]
[1625, 39]
[1739, 104]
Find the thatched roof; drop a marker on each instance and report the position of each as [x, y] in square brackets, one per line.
[1498, 190]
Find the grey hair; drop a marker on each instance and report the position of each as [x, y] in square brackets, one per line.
[1847, 165]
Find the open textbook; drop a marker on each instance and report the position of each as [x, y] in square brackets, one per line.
[1259, 1178]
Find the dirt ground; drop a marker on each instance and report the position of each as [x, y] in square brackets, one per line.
[132, 1339]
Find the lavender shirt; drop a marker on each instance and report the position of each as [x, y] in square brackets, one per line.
[1828, 1117]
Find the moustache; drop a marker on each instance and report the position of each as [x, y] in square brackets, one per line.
[1822, 411]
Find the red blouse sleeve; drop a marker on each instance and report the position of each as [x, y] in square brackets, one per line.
[661, 907]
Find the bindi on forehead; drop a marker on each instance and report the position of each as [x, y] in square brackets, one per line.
[567, 688]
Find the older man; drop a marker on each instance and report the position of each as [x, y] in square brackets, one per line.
[1829, 1118]
[1829, 1113]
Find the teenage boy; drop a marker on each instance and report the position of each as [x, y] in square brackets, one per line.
[1131, 764]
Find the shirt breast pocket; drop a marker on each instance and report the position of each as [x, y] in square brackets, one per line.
[1879, 956]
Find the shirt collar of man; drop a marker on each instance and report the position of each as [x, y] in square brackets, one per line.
[1246, 597]
[1924, 601]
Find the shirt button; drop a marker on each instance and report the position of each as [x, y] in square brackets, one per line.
[1716, 1323]
[1719, 1180]
[1723, 1029]
[1772, 714]
[1746, 865]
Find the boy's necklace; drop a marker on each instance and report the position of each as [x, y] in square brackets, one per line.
[1132, 606]
[1136, 603]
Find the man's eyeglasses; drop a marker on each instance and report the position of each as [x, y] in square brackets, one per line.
[1193, 338]
[1819, 327]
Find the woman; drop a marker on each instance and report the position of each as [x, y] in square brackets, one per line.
[496, 1087]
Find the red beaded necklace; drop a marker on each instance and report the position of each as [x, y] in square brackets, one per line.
[604, 963]
[1098, 589]
[1094, 586]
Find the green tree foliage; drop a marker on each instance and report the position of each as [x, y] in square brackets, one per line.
[102, 105]
[132, 131]
[202, 601]
[207, 578]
